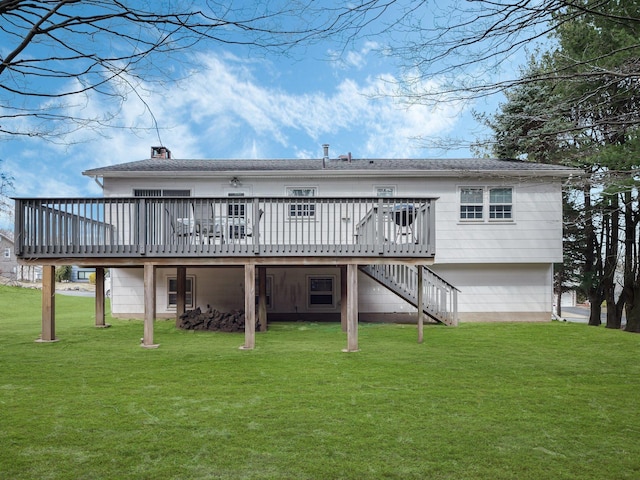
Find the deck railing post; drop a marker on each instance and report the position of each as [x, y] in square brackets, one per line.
[75, 231]
[141, 218]
[454, 307]
[19, 228]
[380, 229]
[420, 302]
[255, 229]
[432, 228]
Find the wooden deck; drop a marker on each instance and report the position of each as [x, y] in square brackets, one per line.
[224, 227]
[254, 232]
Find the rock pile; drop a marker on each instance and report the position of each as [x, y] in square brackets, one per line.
[212, 320]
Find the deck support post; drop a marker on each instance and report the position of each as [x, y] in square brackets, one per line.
[149, 305]
[249, 307]
[262, 298]
[352, 308]
[48, 333]
[181, 291]
[100, 298]
[420, 297]
[343, 297]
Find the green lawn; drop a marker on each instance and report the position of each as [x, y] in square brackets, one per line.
[480, 401]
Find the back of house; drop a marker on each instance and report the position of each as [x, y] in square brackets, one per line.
[489, 229]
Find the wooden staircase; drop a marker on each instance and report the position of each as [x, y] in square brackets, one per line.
[440, 297]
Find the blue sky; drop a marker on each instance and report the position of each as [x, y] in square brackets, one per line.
[237, 103]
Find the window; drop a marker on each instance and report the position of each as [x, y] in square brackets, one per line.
[236, 210]
[302, 208]
[269, 290]
[176, 193]
[84, 274]
[7, 252]
[321, 291]
[471, 201]
[500, 204]
[156, 192]
[384, 191]
[141, 192]
[301, 191]
[172, 292]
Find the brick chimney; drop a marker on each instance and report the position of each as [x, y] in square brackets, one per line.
[160, 152]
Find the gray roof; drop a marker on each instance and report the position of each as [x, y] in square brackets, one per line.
[157, 165]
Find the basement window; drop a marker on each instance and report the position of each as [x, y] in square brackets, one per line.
[321, 291]
[172, 292]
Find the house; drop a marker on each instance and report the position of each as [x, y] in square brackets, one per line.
[81, 274]
[8, 261]
[329, 238]
[11, 270]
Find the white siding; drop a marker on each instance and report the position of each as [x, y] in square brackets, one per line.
[497, 288]
[127, 291]
[498, 266]
[501, 288]
[374, 298]
[535, 235]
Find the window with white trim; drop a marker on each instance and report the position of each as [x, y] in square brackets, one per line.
[7, 252]
[236, 215]
[471, 203]
[172, 292]
[301, 208]
[501, 203]
[476, 201]
[321, 290]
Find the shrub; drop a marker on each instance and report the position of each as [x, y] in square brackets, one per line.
[63, 273]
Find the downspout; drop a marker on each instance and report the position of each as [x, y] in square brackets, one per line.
[95, 179]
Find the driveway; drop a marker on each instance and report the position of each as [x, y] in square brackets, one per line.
[75, 293]
[580, 314]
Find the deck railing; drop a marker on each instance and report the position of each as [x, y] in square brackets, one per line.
[440, 298]
[225, 226]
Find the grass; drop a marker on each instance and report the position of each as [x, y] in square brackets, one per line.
[481, 401]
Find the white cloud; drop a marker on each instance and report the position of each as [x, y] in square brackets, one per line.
[228, 97]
